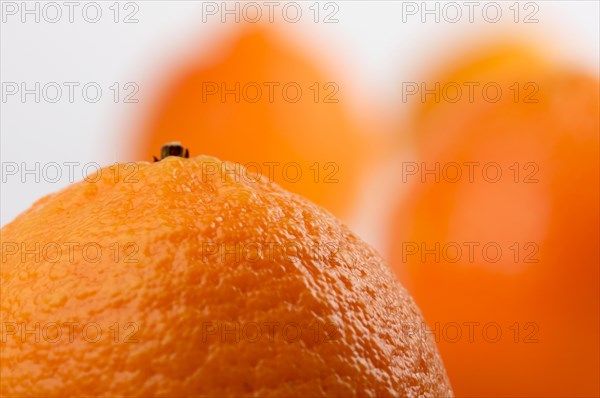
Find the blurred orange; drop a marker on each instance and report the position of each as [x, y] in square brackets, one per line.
[505, 267]
[266, 107]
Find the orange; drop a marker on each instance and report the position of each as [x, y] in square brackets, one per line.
[178, 278]
[261, 104]
[505, 267]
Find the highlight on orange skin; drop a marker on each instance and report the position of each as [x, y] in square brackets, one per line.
[543, 293]
[245, 107]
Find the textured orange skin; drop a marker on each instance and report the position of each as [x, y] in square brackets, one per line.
[560, 293]
[175, 287]
[270, 134]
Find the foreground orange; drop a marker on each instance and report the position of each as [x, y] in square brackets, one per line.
[259, 103]
[179, 278]
[506, 266]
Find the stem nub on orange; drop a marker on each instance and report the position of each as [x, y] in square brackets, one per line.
[502, 251]
[180, 278]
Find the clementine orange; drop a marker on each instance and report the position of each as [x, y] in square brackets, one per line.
[499, 241]
[180, 278]
[263, 105]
